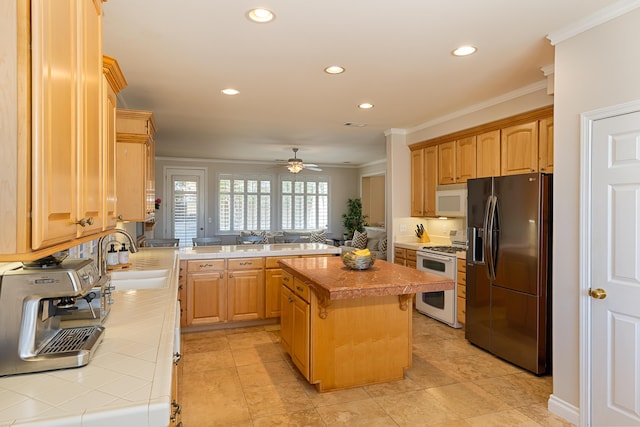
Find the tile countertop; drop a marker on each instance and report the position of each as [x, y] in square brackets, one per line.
[247, 251]
[127, 382]
[330, 279]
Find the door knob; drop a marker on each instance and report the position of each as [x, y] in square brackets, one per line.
[598, 293]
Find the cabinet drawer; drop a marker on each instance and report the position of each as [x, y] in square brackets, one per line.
[399, 252]
[462, 291]
[400, 261]
[411, 255]
[462, 310]
[245, 263]
[272, 261]
[411, 264]
[205, 265]
[287, 279]
[301, 289]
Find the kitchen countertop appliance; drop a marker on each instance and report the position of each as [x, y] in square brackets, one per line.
[441, 260]
[34, 299]
[509, 268]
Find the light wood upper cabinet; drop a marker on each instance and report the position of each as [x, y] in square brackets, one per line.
[457, 161]
[465, 159]
[424, 178]
[447, 163]
[430, 180]
[545, 146]
[417, 182]
[114, 82]
[488, 154]
[135, 186]
[67, 187]
[519, 145]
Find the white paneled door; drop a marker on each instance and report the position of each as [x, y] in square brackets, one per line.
[614, 272]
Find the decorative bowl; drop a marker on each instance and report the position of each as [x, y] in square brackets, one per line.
[358, 262]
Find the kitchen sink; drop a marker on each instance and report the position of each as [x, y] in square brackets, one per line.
[140, 279]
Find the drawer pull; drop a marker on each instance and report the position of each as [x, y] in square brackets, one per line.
[206, 265]
[299, 288]
[246, 263]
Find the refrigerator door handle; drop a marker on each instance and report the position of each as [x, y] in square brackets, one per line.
[491, 255]
[486, 245]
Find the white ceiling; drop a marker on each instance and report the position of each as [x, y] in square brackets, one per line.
[178, 55]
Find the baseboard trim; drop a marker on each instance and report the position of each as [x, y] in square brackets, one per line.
[564, 410]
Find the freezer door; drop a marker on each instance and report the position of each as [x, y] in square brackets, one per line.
[519, 329]
[478, 309]
[517, 234]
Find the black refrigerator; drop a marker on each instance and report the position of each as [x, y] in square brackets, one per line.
[508, 309]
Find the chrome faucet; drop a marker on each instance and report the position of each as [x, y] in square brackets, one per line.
[102, 247]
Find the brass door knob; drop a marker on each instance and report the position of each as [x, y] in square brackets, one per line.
[598, 293]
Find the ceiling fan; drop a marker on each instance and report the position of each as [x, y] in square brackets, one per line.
[296, 165]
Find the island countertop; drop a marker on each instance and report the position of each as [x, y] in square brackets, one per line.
[330, 279]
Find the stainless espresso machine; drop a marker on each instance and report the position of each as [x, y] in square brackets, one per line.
[35, 300]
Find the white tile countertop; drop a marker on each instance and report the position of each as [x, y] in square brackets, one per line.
[127, 382]
[247, 251]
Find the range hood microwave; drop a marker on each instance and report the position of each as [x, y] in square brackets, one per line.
[451, 200]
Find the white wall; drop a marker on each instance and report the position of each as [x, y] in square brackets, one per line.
[345, 184]
[595, 69]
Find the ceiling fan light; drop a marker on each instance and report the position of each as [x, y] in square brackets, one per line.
[295, 167]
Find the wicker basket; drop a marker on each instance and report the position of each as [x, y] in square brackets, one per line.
[358, 262]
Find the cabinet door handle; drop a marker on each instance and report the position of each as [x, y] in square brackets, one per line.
[85, 221]
[289, 299]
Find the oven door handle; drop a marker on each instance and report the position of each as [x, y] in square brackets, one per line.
[437, 257]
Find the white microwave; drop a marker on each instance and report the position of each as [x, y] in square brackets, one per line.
[451, 202]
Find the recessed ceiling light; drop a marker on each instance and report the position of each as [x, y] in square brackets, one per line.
[365, 105]
[334, 69]
[464, 51]
[355, 124]
[230, 91]
[261, 15]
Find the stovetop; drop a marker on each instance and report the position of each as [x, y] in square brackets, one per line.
[443, 249]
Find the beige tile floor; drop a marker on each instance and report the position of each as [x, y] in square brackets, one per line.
[241, 377]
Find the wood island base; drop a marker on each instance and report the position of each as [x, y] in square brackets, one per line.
[345, 328]
[359, 341]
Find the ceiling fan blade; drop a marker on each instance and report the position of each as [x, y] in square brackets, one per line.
[310, 165]
[312, 168]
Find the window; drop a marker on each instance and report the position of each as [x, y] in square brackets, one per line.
[244, 202]
[305, 202]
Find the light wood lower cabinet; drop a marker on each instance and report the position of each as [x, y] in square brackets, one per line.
[206, 297]
[406, 257]
[295, 322]
[462, 290]
[224, 291]
[245, 289]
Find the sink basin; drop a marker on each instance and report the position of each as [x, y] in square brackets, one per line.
[140, 279]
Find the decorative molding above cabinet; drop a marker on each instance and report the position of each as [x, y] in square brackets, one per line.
[514, 145]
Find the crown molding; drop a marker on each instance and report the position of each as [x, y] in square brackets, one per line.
[597, 18]
[540, 85]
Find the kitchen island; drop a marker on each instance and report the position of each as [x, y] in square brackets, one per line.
[345, 328]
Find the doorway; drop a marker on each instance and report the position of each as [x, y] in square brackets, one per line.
[373, 199]
[185, 191]
[610, 267]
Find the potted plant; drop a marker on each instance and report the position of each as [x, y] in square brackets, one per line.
[353, 219]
